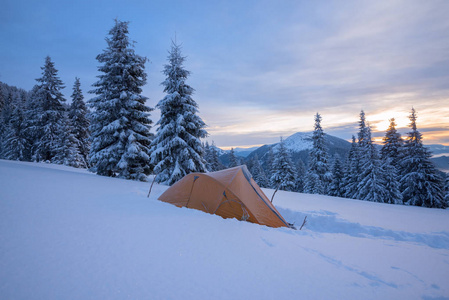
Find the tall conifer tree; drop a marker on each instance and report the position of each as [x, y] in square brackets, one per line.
[268, 159]
[258, 174]
[50, 123]
[80, 123]
[352, 170]
[392, 187]
[336, 187]
[284, 175]
[177, 149]
[371, 185]
[319, 175]
[391, 156]
[233, 160]
[363, 140]
[212, 160]
[421, 184]
[392, 143]
[15, 143]
[120, 121]
[301, 172]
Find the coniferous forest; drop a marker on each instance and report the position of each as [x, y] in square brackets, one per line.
[110, 135]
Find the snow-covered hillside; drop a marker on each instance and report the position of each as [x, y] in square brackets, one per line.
[68, 234]
[299, 141]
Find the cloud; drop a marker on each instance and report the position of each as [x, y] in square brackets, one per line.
[261, 69]
[383, 57]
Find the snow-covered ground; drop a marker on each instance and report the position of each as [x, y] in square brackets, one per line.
[69, 234]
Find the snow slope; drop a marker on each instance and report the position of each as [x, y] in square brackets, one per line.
[69, 234]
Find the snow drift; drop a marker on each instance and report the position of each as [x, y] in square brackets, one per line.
[69, 234]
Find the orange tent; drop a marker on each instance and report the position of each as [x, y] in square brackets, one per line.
[230, 193]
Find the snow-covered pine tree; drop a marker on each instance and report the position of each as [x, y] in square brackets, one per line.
[284, 175]
[120, 120]
[211, 157]
[352, 170]
[392, 143]
[15, 143]
[2, 97]
[392, 187]
[5, 116]
[301, 172]
[80, 123]
[50, 122]
[216, 164]
[177, 149]
[233, 161]
[336, 187]
[421, 184]
[68, 152]
[390, 157]
[363, 141]
[371, 185]
[258, 174]
[208, 156]
[268, 159]
[319, 175]
[33, 112]
[12, 100]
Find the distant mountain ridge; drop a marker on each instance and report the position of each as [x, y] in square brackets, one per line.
[438, 150]
[300, 143]
[441, 162]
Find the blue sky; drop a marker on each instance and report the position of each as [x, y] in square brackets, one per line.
[261, 69]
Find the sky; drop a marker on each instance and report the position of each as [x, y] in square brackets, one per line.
[261, 69]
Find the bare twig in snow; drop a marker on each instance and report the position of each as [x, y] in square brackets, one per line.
[151, 186]
[303, 223]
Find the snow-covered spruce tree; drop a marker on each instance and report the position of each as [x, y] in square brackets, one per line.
[215, 162]
[358, 155]
[352, 170]
[301, 172]
[233, 160]
[15, 143]
[268, 159]
[5, 116]
[336, 187]
[284, 175]
[68, 153]
[421, 185]
[211, 157]
[51, 121]
[33, 112]
[208, 156]
[80, 123]
[177, 149]
[391, 164]
[392, 143]
[319, 175]
[371, 185]
[2, 96]
[258, 174]
[392, 187]
[12, 100]
[363, 140]
[120, 120]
